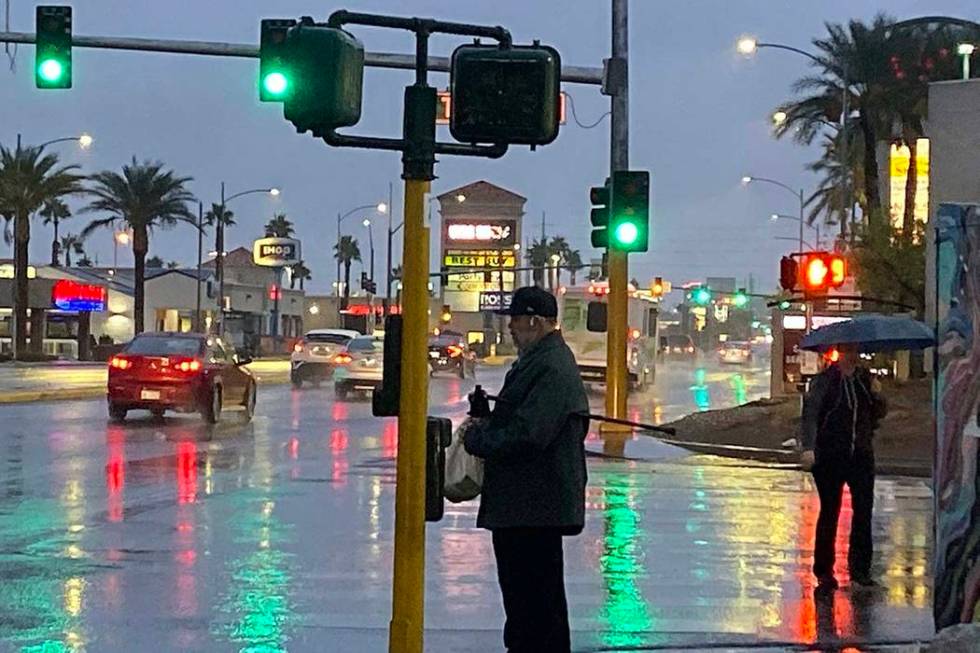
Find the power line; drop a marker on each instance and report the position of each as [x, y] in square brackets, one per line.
[571, 105]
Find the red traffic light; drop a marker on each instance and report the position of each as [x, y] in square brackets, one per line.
[823, 271]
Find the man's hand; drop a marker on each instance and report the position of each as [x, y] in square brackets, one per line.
[807, 460]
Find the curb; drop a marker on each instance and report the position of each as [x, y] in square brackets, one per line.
[93, 392]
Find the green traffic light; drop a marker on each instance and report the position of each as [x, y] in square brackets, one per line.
[784, 305]
[741, 299]
[626, 233]
[702, 296]
[51, 70]
[275, 83]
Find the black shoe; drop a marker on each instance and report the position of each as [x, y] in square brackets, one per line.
[827, 583]
[863, 580]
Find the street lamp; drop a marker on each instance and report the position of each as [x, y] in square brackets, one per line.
[748, 179]
[749, 45]
[119, 238]
[367, 225]
[775, 217]
[219, 246]
[778, 118]
[965, 50]
[380, 207]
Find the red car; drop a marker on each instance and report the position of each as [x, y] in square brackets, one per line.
[185, 372]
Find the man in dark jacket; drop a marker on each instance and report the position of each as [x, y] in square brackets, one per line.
[533, 448]
[840, 413]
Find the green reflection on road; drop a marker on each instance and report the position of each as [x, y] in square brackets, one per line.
[625, 611]
[260, 579]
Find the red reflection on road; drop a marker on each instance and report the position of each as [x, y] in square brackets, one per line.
[186, 472]
[389, 439]
[339, 411]
[338, 447]
[294, 448]
[115, 471]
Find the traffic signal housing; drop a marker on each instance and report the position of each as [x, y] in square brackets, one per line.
[789, 273]
[657, 287]
[275, 78]
[600, 198]
[701, 295]
[505, 95]
[629, 214]
[52, 47]
[326, 72]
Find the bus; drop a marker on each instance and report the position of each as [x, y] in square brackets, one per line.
[581, 314]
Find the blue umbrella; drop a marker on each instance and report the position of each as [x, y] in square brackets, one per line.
[872, 332]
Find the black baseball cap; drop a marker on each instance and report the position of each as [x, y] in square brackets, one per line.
[531, 300]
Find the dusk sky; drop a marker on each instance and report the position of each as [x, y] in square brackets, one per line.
[699, 122]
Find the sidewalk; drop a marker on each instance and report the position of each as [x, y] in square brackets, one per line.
[65, 380]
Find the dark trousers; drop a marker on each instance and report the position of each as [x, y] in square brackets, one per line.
[830, 477]
[530, 568]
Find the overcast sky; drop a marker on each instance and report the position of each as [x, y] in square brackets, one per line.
[698, 121]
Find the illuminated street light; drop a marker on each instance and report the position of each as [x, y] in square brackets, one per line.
[274, 192]
[746, 180]
[366, 223]
[779, 118]
[382, 208]
[85, 141]
[122, 237]
[747, 46]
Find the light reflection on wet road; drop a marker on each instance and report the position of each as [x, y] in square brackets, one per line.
[278, 535]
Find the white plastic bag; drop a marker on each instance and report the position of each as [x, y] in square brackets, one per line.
[464, 472]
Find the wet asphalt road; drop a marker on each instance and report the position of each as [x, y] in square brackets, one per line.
[277, 535]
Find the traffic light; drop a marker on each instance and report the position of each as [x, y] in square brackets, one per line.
[788, 273]
[447, 314]
[599, 197]
[657, 287]
[52, 47]
[741, 298]
[701, 296]
[275, 79]
[505, 95]
[784, 305]
[326, 72]
[823, 271]
[629, 214]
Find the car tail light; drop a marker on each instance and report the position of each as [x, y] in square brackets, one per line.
[342, 359]
[120, 363]
[454, 351]
[690, 350]
[298, 347]
[186, 365]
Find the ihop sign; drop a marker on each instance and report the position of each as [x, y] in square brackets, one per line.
[276, 252]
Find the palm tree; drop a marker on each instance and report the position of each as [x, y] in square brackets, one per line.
[279, 227]
[573, 261]
[221, 218]
[173, 265]
[143, 197]
[154, 262]
[53, 212]
[538, 256]
[85, 261]
[346, 251]
[301, 273]
[71, 243]
[28, 179]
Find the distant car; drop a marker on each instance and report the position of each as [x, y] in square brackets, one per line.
[359, 367]
[677, 346]
[735, 353]
[184, 372]
[449, 353]
[312, 357]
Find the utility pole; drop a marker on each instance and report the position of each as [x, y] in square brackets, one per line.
[391, 234]
[219, 262]
[618, 85]
[200, 253]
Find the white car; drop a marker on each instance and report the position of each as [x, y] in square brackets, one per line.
[735, 353]
[360, 367]
[312, 358]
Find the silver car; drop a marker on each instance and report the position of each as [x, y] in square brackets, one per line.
[312, 357]
[359, 367]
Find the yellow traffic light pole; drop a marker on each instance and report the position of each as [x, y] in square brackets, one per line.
[616, 377]
[407, 618]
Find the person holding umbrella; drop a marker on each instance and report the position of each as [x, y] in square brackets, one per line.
[841, 411]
